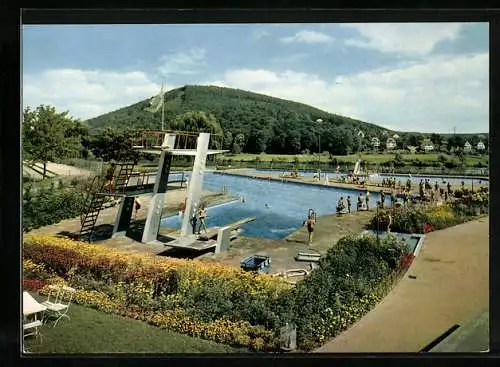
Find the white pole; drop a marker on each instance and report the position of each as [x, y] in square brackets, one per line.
[162, 107]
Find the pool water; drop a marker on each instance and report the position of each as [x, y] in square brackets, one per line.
[288, 204]
[415, 179]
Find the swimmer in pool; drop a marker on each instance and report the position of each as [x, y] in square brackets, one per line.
[266, 206]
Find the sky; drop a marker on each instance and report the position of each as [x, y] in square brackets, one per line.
[427, 77]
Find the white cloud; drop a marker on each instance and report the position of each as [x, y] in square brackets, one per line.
[290, 58]
[408, 38]
[308, 37]
[433, 96]
[86, 93]
[183, 63]
[260, 33]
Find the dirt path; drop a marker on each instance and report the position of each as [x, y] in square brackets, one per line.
[449, 284]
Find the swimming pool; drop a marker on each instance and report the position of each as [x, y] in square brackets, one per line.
[454, 180]
[288, 204]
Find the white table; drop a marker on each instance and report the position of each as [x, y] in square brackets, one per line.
[31, 307]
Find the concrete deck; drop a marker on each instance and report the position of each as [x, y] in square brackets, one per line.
[449, 283]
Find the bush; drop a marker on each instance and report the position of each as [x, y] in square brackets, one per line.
[44, 206]
[416, 218]
[348, 283]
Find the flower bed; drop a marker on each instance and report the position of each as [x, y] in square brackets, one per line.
[219, 302]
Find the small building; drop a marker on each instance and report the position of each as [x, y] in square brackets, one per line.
[467, 147]
[480, 146]
[390, 143]
[396, 136]
[427, 145]
[412, 149]
[375, 142]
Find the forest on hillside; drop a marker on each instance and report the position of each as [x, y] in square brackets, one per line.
[255, 123]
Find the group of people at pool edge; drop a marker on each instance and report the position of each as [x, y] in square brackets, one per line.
[200, 216]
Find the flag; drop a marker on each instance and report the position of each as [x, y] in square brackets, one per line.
[156, 102]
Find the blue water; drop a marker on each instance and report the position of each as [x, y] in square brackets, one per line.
[415, 178]
[288, 204]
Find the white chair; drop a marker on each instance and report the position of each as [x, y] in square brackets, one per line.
[31, 309]
[61, 300]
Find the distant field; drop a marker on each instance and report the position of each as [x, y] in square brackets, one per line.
[370, 158]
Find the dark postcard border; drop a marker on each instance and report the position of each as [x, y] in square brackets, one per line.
[10, 113]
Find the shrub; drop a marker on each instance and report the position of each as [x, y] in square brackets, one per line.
[415, 218]
[344, 287]
[44, 206]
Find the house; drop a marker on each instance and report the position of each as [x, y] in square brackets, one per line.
[390, 143]
[467, 147]
[412, 149]
[396, 136]
[375, 142]
[427, 145]
[480, 146]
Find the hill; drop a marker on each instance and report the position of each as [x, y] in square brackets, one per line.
[267, 123]
[256, 123]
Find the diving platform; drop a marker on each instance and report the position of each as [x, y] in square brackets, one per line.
[190, 242]
[203, 241]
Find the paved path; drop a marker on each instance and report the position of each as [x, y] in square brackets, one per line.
[451, 287]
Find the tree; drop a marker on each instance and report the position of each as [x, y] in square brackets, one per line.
[456, 141]
[238, 143]
[197, 121]
[228, 140]
[49, 135]
[114, 145]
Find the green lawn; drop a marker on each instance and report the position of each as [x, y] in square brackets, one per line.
[91, 331]
[371, 158]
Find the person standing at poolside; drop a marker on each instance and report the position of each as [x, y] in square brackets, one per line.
[349, 203]
[382, 199]
[360, 202]
[202, 214]
[367, 199]
[310, 223]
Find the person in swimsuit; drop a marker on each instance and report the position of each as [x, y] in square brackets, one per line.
[202, 214]
[137, 206]
[367, 200]
[310, 223]
[360, 201]
[110, 177]
[349, 204]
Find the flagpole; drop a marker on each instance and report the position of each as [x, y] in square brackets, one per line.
[162, 108]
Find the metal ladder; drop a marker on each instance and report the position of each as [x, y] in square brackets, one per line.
[95, 200]
[123, 176]
[93, 206]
